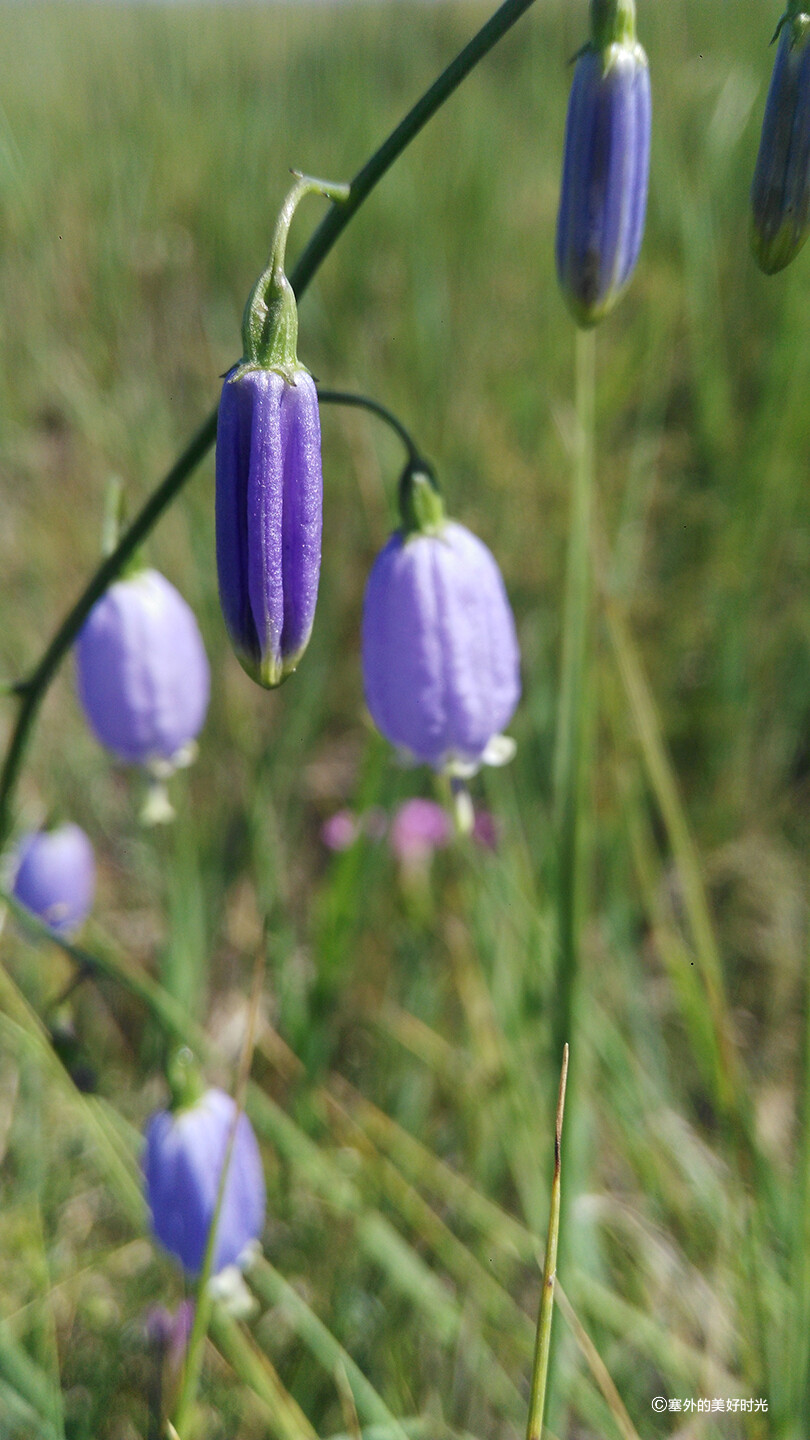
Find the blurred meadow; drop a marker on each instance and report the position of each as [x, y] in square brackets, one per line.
[406, 1060]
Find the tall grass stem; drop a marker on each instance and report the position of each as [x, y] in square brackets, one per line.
[537, 1401]
[572, 729]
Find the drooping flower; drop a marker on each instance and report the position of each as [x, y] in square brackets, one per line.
[269, 517]
[269, 483]
[143, 674]
[56, 877]
[440, 655]
[185, 1154]
[780, 192]
[606, 165]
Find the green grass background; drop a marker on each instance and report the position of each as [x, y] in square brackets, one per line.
[405, 1057]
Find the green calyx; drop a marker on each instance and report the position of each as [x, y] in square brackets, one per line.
[186, 1083]
[270, 321]
[798, 18]
[114, 517]
[420, 501]
[613, 22]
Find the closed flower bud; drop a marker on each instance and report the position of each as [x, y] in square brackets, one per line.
[780, 192]
[142, 671]
[56, 877]
[606, 165]
[269, 497]
[440, 654]
[268, 517]
[185, 1154]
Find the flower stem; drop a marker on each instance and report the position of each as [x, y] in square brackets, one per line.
[364, 402]
[320, 244]
[537, 1402]
[569, 760]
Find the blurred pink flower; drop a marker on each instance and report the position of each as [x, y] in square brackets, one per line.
[340, 830]
[418, 828]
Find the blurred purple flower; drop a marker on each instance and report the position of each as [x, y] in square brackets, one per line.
[185, 1153]
[269, 503]
[143, 673]
[340, 831]
[56, 877]
[418, 828]
[780, 192]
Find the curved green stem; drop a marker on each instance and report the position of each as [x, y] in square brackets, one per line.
[270, 321]
[322, 241]
[304, 185]
[364, 402]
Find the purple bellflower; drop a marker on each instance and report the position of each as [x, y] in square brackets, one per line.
[441, 667]
[142, 670]
[606, 165]
[56, 877]
[269, 483]
[185, 1153]
[780, 192]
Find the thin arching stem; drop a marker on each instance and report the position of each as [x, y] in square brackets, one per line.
[321, 243]
[364, 402]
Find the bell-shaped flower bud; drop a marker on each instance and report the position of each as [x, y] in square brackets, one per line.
[142, 672]
[780, 192]
[269, 510]
[269, 484]
[185, 1153]
[441, 667]
[606, 165]
[55, 877]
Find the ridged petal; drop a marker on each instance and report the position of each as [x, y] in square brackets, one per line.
[269, 514]
[605, 174]
[185, 1152]
[440, 656]
[780, 192]
[56, 877]
[143, 674]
